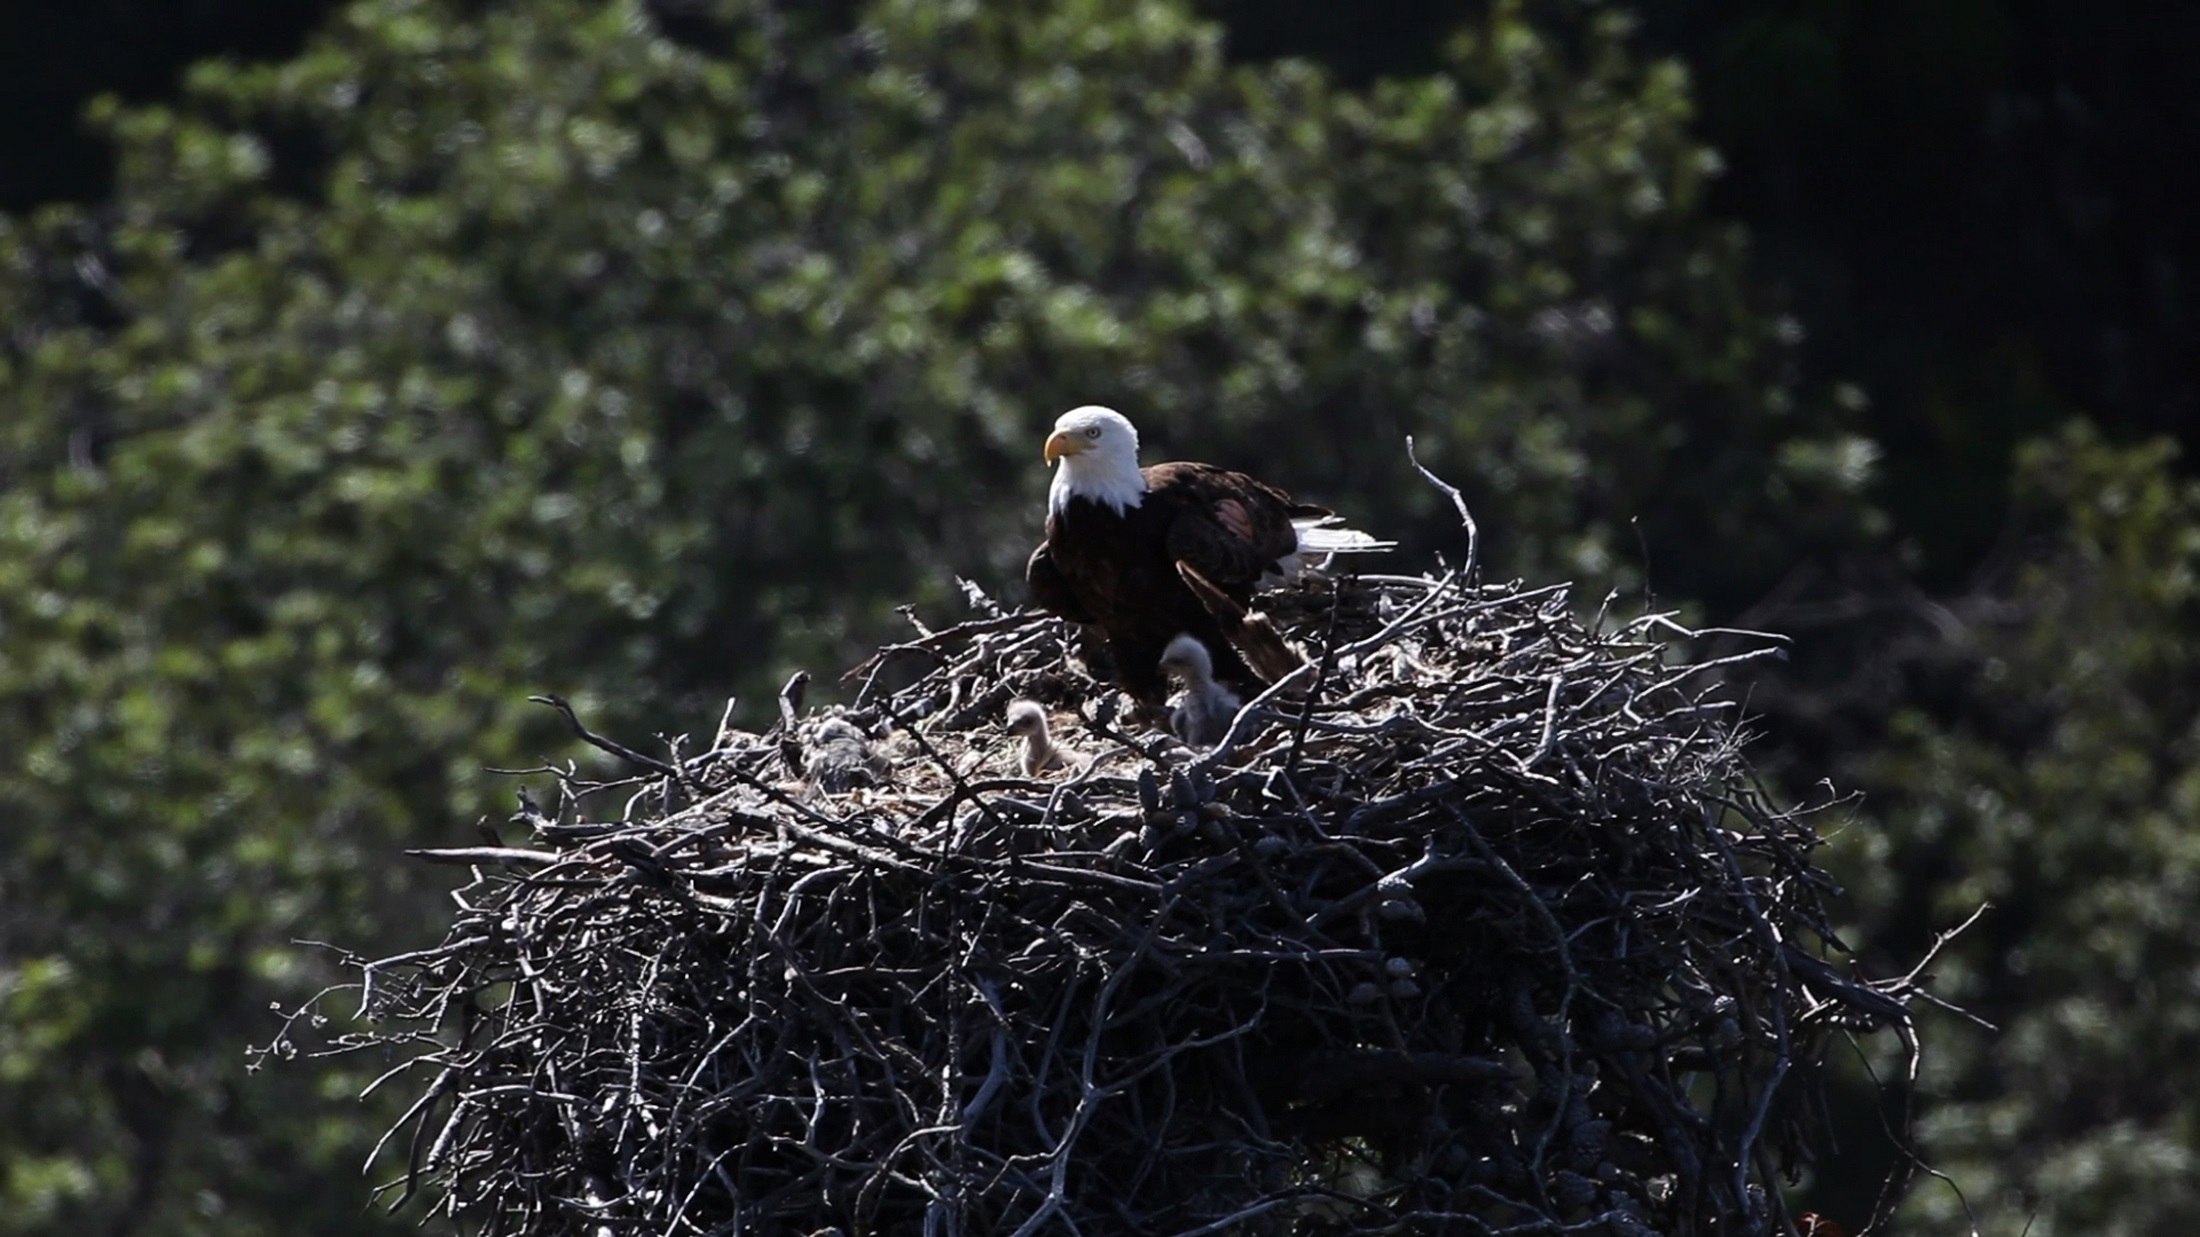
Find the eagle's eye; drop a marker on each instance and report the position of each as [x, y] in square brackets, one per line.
[1094, 432]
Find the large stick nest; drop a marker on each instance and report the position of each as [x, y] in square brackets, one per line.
[1478, 925]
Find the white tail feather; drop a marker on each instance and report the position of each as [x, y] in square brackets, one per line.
[1319, 539]
[1320, 536]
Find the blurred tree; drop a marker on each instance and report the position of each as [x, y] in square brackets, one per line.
[2044, 756]
[488, 349]
[1979, 207]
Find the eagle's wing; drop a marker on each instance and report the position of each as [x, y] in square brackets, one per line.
[1050, 589]
[1250, 632]
[1228, 527]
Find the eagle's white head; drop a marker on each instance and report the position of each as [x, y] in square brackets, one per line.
[1098, 452]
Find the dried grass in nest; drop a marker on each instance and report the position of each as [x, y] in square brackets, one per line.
[1487, 930]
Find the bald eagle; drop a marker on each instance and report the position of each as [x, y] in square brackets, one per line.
[1117, 532]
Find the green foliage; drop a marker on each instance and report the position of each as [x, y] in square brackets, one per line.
[2061, 784]
[485, 350]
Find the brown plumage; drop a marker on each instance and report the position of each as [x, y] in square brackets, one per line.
[1117, 532]
[1250, 632]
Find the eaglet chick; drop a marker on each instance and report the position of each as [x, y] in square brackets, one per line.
[1203, 708]
[839, 757]
[1027, 721]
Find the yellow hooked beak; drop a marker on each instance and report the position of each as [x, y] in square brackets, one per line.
[1064, 442]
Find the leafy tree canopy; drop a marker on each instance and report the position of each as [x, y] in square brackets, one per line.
[491, 349]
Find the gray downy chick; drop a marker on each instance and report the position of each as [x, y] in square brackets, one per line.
[1202, 710]
[840, 758]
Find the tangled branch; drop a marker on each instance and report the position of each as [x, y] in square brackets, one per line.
[1483, 928]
